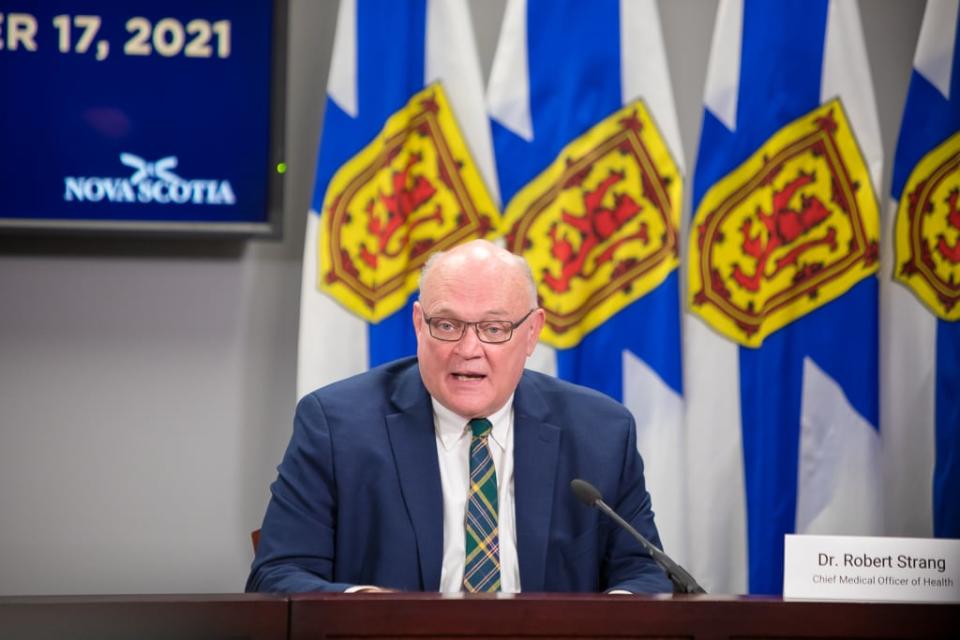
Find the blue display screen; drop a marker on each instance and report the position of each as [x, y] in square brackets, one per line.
[137, 112]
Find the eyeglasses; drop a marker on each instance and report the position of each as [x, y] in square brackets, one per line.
[489, 331]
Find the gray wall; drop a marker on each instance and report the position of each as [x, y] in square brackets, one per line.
[147, 387]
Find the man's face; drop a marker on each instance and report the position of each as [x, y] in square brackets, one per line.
[472, 378]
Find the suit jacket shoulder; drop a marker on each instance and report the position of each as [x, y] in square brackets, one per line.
[394, 381]
[572, 407]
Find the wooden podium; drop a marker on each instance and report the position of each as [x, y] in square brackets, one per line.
[433, 616]
[251, 616]
[698, 617]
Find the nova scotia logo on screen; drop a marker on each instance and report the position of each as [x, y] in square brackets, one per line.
[151, 182]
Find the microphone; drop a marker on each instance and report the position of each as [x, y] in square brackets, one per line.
[682, 581]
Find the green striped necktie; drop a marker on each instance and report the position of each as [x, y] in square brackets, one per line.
[481, 571]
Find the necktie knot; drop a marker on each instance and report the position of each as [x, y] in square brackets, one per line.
[480, 427]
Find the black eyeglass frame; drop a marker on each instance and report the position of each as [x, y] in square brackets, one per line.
[476, 327]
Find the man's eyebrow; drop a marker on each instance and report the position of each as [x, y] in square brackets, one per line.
[445, 312]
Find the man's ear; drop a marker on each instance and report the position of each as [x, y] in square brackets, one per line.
[417, 317]
[536, 320]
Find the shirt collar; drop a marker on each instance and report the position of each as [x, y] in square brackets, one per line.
[450, 427]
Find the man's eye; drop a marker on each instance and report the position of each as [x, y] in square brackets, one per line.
[446, 326]
[493, 329]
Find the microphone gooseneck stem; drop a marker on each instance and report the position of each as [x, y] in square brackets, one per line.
[682, 581]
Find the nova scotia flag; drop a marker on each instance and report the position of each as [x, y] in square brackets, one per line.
[920, 411]
[780, 342]
[364, 243]
[590, 166]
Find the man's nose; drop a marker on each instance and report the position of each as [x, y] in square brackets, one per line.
[469, 345]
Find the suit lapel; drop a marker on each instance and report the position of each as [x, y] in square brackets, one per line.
[414, 446]
[536, 447]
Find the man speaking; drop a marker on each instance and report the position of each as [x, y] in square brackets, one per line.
[451, 471]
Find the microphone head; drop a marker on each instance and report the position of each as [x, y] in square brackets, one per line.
[585, 492]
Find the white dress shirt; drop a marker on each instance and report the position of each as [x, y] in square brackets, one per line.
[453, 451]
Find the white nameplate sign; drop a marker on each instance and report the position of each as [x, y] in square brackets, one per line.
[871, 568]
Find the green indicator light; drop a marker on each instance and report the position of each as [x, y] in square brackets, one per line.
[281, 167]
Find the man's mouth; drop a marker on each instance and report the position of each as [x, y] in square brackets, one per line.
[468, 376]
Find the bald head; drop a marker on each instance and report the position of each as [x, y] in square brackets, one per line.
[496, 265]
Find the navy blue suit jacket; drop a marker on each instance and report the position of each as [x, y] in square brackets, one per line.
[358, 496]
